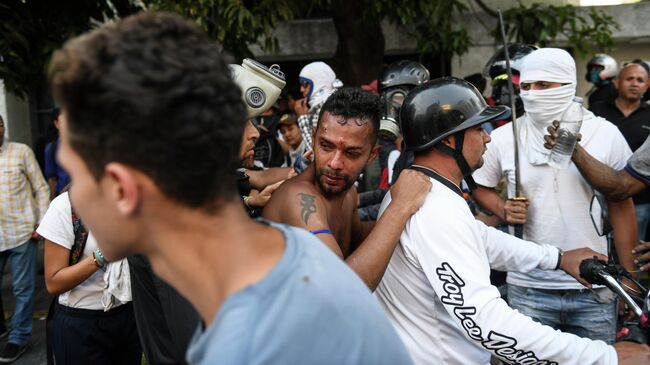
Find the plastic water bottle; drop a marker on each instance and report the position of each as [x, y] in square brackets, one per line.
[570, 123]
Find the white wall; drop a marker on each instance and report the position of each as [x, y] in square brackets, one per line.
[15, 112]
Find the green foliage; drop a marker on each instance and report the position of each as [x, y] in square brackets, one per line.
[31, 30]
[431, 22]
[236, 24]
[542, 24]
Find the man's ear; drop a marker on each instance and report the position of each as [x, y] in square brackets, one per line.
[374, 153]
[615, 82]
[449, 141]
[123, 187]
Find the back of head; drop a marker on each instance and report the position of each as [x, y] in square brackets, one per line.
[56, 111]
[152, 91]
[354, 103]
[549, 64]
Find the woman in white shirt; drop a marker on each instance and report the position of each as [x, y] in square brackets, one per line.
[85, 330]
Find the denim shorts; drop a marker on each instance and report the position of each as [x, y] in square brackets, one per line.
[583, 312]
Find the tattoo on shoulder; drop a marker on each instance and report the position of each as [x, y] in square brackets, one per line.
[308, 204]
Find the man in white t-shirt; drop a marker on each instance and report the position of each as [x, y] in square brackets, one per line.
[558, 207]
[436, 289]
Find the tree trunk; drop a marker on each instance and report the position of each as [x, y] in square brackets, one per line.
[360, 49]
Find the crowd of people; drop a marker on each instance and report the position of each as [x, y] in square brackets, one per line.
[201, 214]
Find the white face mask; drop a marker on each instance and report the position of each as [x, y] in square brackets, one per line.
[545, 106]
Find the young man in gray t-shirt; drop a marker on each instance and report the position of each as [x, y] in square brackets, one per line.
[150, 131]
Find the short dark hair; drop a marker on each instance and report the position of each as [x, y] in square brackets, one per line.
[154, 92]
[352, 102]
[55, 113]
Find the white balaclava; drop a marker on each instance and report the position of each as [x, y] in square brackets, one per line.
[322, 80]
[544, 106]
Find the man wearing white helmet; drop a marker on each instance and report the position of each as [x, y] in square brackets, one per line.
[601, 71]
[317, 82]
[559, 199]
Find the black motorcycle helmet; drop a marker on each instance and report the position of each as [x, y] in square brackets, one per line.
[496, 69]
[441, 108]
[394, 83]
[402, 72]
[496, 66]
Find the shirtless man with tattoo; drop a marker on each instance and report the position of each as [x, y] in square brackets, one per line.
[321, 199]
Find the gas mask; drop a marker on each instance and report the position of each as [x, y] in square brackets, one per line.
[593, 76]
[260, 85]
[391, 102]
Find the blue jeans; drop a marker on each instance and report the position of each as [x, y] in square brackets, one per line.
[583, 312]
[642, 217]
[23, 270]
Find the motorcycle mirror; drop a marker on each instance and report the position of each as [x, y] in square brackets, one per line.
[600, 215]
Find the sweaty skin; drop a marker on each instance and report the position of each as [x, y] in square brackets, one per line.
[328, 201]
[298, 202]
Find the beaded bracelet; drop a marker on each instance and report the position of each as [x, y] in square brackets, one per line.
[99, 259]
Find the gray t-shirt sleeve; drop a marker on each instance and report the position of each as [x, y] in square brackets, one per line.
[639, 164]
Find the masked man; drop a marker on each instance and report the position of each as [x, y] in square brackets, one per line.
[317, 82]
[559, 210]
[601, 71]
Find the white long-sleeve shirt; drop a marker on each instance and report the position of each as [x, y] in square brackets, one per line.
[437, 292]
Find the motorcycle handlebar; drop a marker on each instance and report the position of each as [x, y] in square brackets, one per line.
[597, 272]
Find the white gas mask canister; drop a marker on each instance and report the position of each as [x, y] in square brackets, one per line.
[260, 85]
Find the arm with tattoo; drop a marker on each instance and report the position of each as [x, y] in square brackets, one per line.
[307, 206]
[308, 211]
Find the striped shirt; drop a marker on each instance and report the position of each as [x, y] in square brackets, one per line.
[307, 124]
[24, 194]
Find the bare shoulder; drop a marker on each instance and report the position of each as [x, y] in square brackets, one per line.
[292, 188]
[294, 202]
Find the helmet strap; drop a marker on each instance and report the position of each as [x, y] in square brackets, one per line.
[457, 154]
